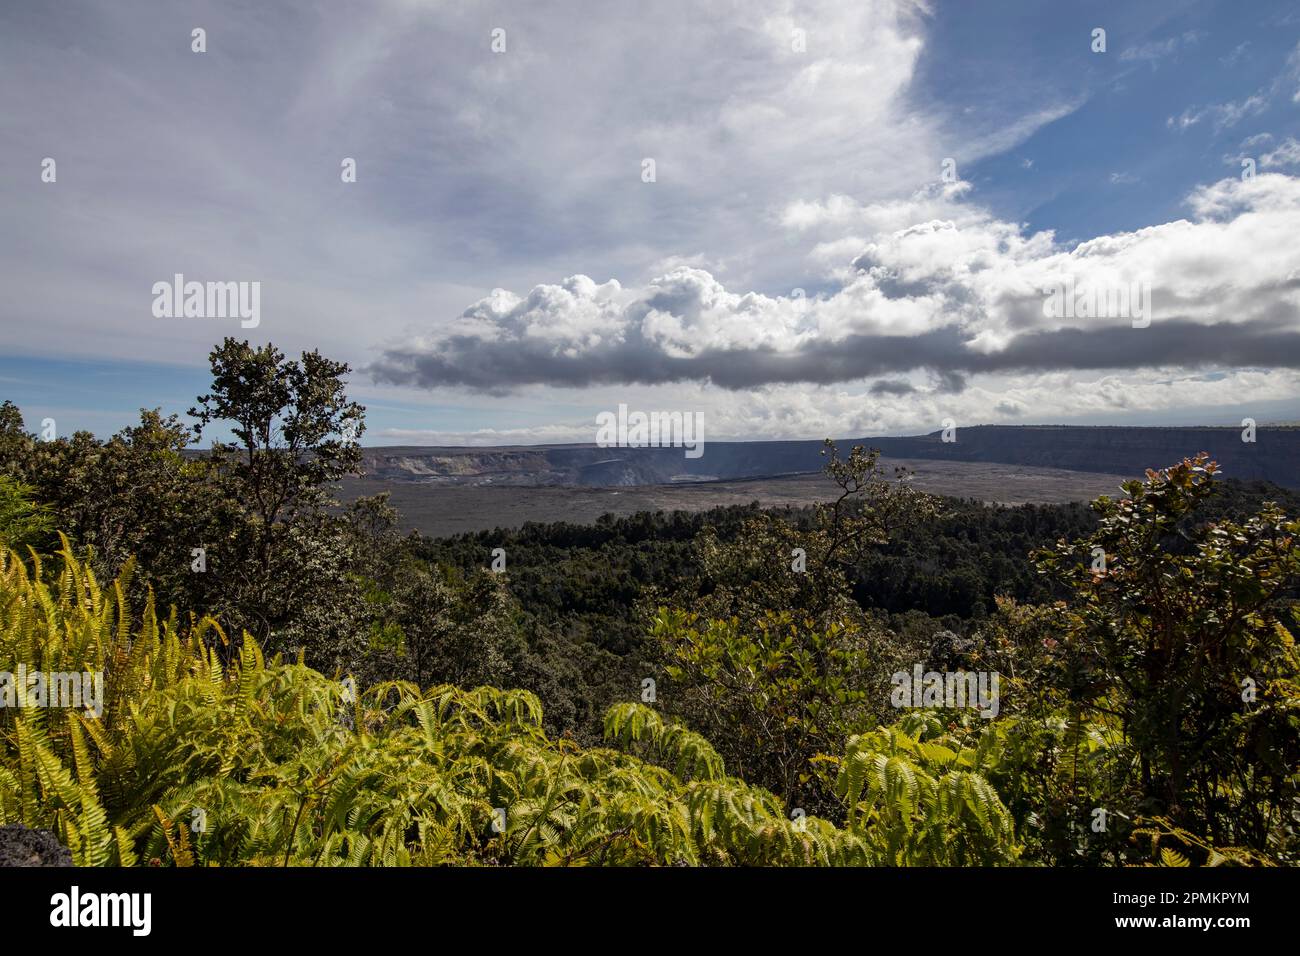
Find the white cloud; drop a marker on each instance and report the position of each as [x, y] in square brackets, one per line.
[846, 410]
[1287, 153]
[504, 172]
[1235, 54]
[1221, 115]
[1155, 50]
[953, 307]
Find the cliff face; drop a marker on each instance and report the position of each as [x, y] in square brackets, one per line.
[1274, 456]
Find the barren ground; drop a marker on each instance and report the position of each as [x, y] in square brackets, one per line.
[440, 510]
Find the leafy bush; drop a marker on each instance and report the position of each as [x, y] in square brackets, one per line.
[267, 763]
[1178, 637]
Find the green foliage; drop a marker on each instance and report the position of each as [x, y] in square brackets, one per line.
[283, 766]
[23, 522]
[686, 753]
[773, 564]
[295, 431]
[16, 443]
[1150, 695]
[295, 428]
[1180, 640]
[772, 695]
[135, 494]
[919, 802]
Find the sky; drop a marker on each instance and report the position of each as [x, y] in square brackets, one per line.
[798, 219]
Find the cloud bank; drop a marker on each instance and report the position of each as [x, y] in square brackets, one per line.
[956, 293]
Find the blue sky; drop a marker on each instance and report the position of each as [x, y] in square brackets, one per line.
[501, 270]
[1171, 57]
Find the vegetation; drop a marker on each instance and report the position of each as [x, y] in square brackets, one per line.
[288, 681]
[196, 763]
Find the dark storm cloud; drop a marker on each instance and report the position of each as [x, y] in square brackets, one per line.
[892, 387]
[499, 366]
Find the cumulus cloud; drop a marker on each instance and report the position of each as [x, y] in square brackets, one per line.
[474, 169]
[945, 297]
[780, 164]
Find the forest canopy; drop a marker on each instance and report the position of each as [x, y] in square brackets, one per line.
[287, 680]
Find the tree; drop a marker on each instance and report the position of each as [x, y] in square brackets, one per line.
[430, 624]
[136, 495]
[16, 445]
[776, 565]
[774, 693]
[146, 500]
[777, 662]
[870, 510]
[296, 432]
[1180, 633]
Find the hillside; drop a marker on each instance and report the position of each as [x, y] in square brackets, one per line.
[1274, 456]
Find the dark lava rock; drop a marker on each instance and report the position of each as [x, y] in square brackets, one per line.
[20, 846]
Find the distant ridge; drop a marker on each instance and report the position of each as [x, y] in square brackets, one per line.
[1120, 449]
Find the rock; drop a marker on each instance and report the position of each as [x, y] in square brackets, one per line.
[21, 846]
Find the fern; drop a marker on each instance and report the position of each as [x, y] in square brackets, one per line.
[261, 752]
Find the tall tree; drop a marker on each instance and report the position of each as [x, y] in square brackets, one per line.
[295, 432]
